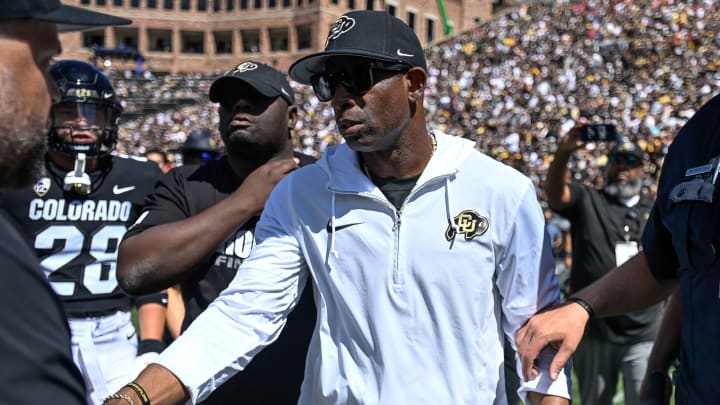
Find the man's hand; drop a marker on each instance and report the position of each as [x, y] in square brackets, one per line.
[562, 327]
[571, 141]
[656, 388]
[256, 188]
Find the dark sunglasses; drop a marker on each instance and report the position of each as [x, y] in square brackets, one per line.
[629, 160]
[356, 79]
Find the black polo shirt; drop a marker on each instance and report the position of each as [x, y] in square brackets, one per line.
[598, 222]
[682, 240]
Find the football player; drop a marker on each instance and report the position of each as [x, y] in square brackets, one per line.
[75, 217]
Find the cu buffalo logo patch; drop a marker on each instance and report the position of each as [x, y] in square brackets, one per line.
[341, 26]
[244, 67]
[42, 186]
[469, 223]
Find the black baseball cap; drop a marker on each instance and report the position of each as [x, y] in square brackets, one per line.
[197, 140]
[368, 34]
[266, 80]
[628, 148]
[67, 18]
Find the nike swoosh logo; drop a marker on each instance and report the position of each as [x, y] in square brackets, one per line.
[130, 336]
[120, 190]
[329, 229]
[401, 53]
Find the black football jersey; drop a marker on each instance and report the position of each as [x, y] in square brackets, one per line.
[76, 237]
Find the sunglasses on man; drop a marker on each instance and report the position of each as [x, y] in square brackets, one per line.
[357, 78]
[628, 160]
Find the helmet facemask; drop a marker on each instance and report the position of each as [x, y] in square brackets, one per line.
[84, 124]
[72, 122]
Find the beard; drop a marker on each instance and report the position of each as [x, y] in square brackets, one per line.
[23, 135]
[624, 190]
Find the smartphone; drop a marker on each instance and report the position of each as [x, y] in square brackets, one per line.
[599, 132]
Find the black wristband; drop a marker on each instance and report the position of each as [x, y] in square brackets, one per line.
[150, 346]
[140, 391]
[584, 305]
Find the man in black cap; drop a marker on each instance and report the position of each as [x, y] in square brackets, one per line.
[37, 365]
[197, 149]
[606, 227]
[198, 226]
[679, 256]
[421, 263]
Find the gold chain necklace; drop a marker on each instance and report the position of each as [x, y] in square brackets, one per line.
[433, 141]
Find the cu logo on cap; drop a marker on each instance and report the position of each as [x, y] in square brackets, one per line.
[341, 26]
[245, 66]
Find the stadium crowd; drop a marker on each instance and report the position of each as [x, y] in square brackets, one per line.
[513, 84]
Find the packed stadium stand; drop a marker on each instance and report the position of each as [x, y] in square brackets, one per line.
[512, 84]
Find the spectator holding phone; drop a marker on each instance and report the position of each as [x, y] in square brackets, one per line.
[606, 226]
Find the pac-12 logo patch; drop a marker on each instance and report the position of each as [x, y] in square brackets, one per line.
[469, 223]
[341, 26]
[42, 186]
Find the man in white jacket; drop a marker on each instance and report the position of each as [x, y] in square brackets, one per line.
[423, 253]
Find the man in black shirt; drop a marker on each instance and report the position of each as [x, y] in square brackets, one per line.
[606, 226]
[198, 226]
[37, 365]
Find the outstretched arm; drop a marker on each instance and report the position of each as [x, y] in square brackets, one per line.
[162, 255]
[556, 186]
[157, 383]
[627, 288]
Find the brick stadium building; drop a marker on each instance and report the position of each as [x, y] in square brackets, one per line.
[209, 36]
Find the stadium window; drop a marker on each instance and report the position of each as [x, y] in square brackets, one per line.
[411, 20]
[230, 5]
[272, 3]
[100, 2]
[257, 4]
[335, 2]
[168, 4]
[185, 5]
[304, 36]
[223, 42]
[369, 4]
[159, 40]
[117, 3]
[351, 4]
[84, 1]
[126, 37]
[93, 38]
[287, 3]
[216, 5]
[278, 39]
[243, 4]
[201, 5]
[250, 40]
[391, 9]
[193, 41]
[151, 3]
[299, 3]
[429, 30]
[135, 3]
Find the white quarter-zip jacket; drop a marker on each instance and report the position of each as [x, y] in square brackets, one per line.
[413, 304]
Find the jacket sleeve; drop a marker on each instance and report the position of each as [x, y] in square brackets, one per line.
[248, 315]
[527, 284]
